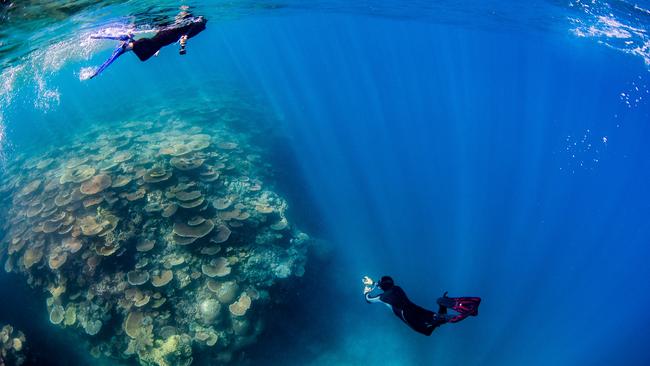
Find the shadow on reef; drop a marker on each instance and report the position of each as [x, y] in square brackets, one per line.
[25, 312]
[291, 184]
[305, 324]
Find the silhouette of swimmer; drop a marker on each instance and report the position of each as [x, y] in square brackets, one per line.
[186, 27]
[419, 319]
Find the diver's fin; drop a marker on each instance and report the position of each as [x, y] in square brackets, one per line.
[117, 53]
[465, 306]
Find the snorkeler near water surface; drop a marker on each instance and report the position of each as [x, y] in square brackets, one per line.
[419, 319]
[186, 27]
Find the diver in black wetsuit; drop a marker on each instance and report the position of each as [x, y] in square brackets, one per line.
[419, 319]
[146, 47]
[186, 27]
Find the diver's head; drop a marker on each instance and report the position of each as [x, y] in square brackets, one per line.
[386, 283]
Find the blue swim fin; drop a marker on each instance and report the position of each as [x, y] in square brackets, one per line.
[117, 53]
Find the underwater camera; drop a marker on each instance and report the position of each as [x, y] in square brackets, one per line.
[367, 282]
[183, 41]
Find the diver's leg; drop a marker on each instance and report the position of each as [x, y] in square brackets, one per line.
[442, 318]
[436, 321]
[445, 302]
[442, 310]
[117, 53]
[144, 48]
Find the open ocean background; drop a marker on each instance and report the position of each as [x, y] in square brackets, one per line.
[497, 149]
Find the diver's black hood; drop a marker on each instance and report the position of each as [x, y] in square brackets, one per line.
[386, 283]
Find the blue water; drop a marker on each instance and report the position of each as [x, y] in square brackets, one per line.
[480, 157]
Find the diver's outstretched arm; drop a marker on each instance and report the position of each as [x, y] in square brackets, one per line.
[370, 299]
[117, 53]
[368, 294]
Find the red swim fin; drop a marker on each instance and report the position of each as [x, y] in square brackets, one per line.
[465, 306]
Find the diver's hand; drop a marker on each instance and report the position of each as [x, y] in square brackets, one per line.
[367, 289]
[367, 281]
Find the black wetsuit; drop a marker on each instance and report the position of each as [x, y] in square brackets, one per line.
[418, 318]
[146, 47]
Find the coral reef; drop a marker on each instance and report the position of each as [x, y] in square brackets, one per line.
[157, 240]
[12, 346]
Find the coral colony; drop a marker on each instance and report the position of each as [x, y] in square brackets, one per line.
[158, 241]
[12, 344]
